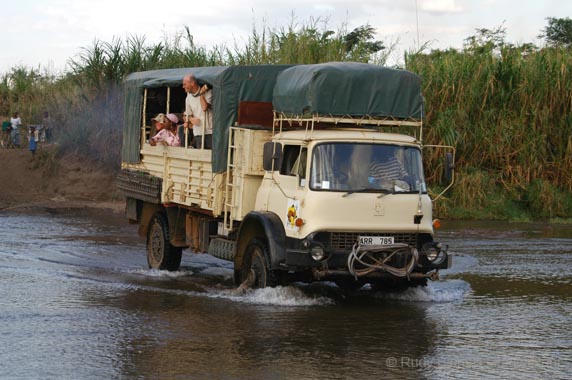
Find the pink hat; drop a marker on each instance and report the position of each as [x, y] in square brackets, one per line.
[174, 119]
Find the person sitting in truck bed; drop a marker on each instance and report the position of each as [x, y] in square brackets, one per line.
[198, 115]
[165, 125]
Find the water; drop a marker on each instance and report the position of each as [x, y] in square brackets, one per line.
[77, 302]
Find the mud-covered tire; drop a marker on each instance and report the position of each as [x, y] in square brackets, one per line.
[257, 259]
[161, 254]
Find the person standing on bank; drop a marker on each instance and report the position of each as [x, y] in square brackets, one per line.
[33, 143]
[15, 123]
[197, 111]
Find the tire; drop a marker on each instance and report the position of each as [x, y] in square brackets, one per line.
[257, 259]
[160, 253]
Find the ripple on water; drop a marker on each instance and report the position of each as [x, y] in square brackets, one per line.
[440, 291]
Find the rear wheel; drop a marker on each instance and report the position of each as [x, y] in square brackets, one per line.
[161, 254]
[257, 264]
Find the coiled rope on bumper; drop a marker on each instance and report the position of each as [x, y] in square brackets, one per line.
[364, 256]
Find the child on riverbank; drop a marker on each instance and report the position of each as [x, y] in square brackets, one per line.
[33, 144]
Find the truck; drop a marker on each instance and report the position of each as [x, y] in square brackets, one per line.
[315, 174]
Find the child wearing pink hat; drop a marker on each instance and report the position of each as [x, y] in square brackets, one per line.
[165, 125]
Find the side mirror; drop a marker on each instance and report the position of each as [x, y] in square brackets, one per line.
[449, 167]
[272, 154]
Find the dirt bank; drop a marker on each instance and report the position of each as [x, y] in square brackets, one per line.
[46, 181]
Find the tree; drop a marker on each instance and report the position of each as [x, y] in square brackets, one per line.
[486, 40]
[558, 32]
[360, 42]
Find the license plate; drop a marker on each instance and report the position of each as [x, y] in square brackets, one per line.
[376, 240]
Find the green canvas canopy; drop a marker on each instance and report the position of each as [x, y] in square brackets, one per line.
[231, 85]
[348, 89]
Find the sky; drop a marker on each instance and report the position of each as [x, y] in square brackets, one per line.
[48, 33]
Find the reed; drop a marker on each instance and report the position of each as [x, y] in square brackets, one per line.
[508, 110]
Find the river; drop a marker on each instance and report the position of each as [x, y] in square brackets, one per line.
[78, 302]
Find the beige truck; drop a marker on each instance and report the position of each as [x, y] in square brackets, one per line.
[315, 174]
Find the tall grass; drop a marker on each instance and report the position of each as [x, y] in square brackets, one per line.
[507, 109]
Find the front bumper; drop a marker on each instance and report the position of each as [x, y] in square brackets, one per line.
[299, 256]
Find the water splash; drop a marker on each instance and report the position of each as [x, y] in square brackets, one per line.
[279, 296]
[156, 273]
[223, 273]
[442, 291]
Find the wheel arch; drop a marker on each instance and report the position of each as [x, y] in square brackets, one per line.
[264, 225]
[147, 212]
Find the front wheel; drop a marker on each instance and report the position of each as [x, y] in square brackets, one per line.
[161, 254]
[256, 264]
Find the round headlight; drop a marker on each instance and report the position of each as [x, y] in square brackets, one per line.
[317, 252]
[432, 254]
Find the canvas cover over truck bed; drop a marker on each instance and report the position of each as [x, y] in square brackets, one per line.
[348, 89]
[231, 85]
[330, 89]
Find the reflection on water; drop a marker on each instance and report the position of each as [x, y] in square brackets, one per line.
[77, 302]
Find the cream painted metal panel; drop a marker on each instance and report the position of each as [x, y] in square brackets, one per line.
[248, 169]
[188, 178]
[186, 173]
[363, 212]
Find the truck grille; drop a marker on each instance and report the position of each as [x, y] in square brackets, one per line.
[346, 240]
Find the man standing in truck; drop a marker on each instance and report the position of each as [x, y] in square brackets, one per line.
[198, 113]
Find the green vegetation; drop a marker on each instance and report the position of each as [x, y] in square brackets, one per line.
[558, 32]
[507, 108]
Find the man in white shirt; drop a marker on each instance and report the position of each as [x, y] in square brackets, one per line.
[198, 113]
[16, 123]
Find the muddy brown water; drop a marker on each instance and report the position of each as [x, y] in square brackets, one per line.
[77, 302]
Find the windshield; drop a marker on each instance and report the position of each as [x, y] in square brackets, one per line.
[354, 167]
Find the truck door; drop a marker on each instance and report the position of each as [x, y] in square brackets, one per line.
[289, 181]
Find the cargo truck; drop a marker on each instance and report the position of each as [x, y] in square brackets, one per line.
[315, 174]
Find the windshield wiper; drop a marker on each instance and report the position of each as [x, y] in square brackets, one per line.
[368, 189]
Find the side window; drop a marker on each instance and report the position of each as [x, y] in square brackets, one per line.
[290, 156]
[294, 161]
[300, 165]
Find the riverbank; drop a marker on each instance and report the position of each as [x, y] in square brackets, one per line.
[50, 181]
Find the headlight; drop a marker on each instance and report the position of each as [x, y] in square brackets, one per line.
[317, 251]
[434, 253]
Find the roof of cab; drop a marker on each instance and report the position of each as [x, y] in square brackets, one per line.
[341, 135]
